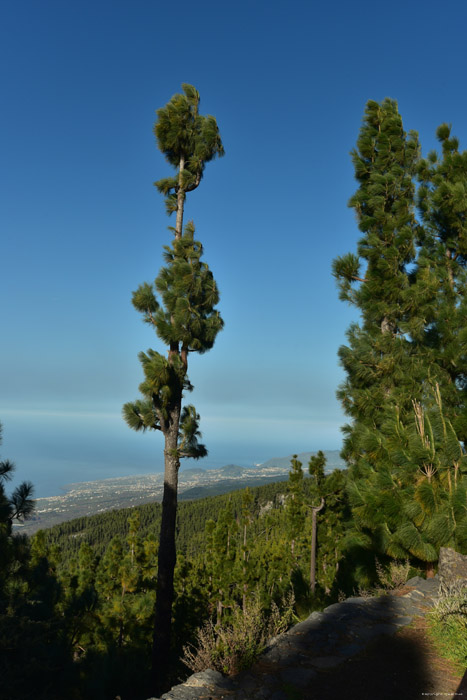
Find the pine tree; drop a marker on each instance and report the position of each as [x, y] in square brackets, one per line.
[245, 523]
[416, 501]
[222, 553]
[295, 512]
[442, 271]
[186, 321]
[332, 523]
[20, 505]
[17, 506]
[411, 343]
[378, 360]
[316, 470]
[189, 141]
[385, 370]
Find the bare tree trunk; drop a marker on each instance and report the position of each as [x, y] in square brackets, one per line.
[180, 200]
[314, 514]
[386, 326]
[245, 585]
[167, 556]
[449, 266]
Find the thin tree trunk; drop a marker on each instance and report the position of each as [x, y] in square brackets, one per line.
[449, 266]
[167, 556]
[180, 200]
[314, 514]
[245, 585]
[120, 630]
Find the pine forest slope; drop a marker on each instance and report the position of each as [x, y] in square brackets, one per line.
[97, 530]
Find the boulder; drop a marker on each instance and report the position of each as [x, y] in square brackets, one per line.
[452, 571]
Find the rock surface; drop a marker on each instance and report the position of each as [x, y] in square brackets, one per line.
[452, 570]
[323, 641]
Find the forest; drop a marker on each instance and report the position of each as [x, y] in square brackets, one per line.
[126, 602]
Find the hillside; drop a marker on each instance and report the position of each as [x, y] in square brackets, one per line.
[97, 530]
[93, 497]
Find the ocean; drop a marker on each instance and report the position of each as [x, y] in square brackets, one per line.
[53, 449]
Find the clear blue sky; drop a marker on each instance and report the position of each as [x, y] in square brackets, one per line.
[82, 224]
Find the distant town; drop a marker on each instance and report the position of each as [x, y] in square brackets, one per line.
[91, 497]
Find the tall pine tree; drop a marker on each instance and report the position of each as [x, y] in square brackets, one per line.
[378, 361]
[442, 269]
[411, 342]
[186, 321]
[383, 371]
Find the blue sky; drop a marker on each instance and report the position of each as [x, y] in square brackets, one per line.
[82, 224]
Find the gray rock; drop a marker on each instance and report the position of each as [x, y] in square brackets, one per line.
[311, 623]
[365, 634]
[429, 587]
[241, 695]
[415, 581]
[278, 695]
[452, 570]
[333, 608]
[316, 615]
[183, 692]
[402, 620]
[349, 649]
[415, 595]
[268, 680]
[326, 661]
[262, 693]
[206, 679]
[301, 677]
[247, 681]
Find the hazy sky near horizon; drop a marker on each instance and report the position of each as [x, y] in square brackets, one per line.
[82, 224]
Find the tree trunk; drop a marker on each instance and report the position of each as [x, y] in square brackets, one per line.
[314, 515]
[166, 557]
[180, 200]
[449, 266]
[245, 585]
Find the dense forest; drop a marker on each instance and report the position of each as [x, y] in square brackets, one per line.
[88, 586]
[77, 602]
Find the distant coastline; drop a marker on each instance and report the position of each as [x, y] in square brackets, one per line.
[90, 497]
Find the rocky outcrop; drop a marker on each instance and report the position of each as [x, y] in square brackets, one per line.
[452, 571]
[323, 641]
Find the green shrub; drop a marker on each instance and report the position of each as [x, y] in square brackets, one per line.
[234, 646]
[447, 624]
[394, 575]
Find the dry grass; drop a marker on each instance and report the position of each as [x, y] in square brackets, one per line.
[235, 645]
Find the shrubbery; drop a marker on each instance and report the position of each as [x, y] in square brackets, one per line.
[448, 626]
[234, 645]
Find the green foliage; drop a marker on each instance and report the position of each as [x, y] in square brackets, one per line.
[404, 445]
[20, 505]
[295, 506]
[88, 586]
[392, 576]
[447, 625]
[188, 140]
[186, 321]
[232, 647]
